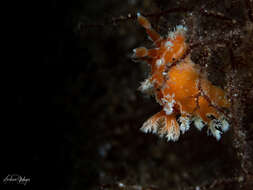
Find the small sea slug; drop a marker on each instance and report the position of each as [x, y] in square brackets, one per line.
[186, 96]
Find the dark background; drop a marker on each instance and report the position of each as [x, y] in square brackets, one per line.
[77, 111]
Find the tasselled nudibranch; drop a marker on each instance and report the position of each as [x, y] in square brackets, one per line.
[186, 96]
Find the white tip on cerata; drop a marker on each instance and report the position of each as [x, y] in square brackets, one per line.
[159, 62]
[185, 124]
[199, 123]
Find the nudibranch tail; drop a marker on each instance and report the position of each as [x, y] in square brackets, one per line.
[186, 96]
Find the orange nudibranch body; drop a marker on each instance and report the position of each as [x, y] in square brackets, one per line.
[185, 95]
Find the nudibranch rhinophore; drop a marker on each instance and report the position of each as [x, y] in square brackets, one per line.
[185, 95]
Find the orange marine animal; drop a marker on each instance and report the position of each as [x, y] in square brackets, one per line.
[186, 96]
